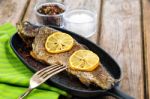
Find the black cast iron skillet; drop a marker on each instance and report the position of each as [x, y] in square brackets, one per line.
[66, 81]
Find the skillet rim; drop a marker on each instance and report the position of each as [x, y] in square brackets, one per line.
[58, 84]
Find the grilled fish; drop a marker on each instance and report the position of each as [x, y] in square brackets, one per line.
[99, 77]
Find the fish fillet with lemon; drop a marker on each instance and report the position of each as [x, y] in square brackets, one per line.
[54, 47]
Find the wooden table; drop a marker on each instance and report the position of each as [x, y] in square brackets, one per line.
[123, 31]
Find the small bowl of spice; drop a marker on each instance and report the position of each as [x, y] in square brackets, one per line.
[50, 14]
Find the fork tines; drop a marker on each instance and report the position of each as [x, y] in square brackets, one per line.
[49, 71]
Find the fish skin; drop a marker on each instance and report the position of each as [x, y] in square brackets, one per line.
[27, 32]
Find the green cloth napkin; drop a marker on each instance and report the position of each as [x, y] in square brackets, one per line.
[14, 75]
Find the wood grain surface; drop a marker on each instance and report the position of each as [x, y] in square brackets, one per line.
[146, 32]
[94, 6]
[120, 32]
[12, 10]
[121, 37]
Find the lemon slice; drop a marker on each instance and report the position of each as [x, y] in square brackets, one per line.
[59, 42]
[84, 60]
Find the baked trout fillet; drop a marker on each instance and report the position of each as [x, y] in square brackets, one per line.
[99, 76]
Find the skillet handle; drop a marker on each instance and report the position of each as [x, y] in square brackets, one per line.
[117, 93]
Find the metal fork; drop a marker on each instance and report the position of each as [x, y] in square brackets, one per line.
[41, 76]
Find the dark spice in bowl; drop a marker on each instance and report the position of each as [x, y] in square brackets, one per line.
[50, 10]
[50, 14]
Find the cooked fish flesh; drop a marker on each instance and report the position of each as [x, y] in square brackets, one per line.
[99, 76]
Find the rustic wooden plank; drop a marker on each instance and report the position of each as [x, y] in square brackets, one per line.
[121, 38]
[30, 14]
[70, 4]
[12, 10]
[146, 30]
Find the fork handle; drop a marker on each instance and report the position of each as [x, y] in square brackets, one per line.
[25, 93]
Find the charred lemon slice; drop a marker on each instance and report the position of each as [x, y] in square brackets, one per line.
[84, 60]
[59, 42]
